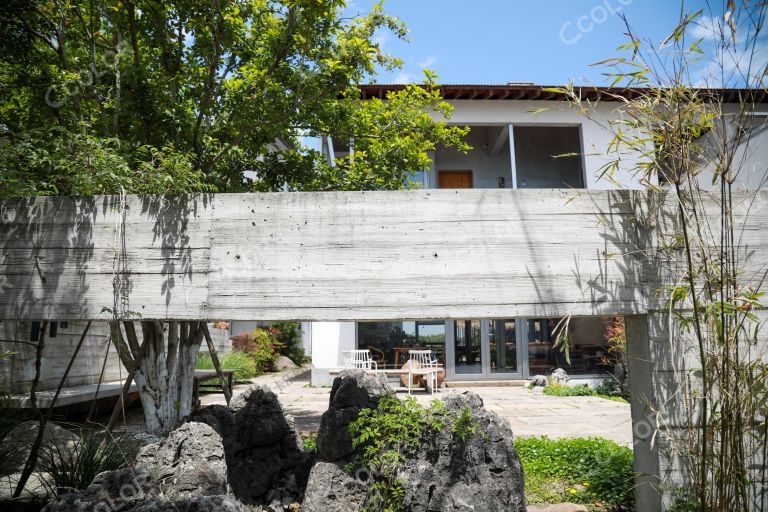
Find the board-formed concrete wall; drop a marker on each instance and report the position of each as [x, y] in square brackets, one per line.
[325, 256]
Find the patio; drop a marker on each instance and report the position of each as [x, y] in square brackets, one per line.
[531, 413]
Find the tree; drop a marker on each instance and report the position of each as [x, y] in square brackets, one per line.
[190, 95]
[141, 96]
[685, 144]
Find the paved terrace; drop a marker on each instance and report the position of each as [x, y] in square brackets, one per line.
[531, 413]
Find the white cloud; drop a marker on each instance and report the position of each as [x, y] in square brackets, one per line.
[403, 78]
[429, 61]
[706, 28]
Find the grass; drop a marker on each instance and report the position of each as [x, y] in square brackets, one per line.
[244, 367]
[592, 471]
[579, 390]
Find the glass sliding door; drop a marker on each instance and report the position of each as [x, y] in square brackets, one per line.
[483, 349]
[467, 347]
[502, 341]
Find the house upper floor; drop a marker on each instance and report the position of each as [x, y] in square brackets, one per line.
[526, 136]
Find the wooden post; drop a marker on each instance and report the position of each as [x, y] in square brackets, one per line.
[120, 401]
[216, 364]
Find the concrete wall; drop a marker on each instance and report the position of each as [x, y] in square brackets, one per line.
[18, 370]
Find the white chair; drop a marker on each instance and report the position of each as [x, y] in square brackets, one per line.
[423, 360]
[359, 359]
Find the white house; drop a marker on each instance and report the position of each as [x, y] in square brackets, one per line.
[517, 130]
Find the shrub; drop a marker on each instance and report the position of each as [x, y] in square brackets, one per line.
[263, 350]
[602, 391]
[287, 337]
[244, 367]
[260, 346]
[583, 470]
[390, 435]
[74, 468]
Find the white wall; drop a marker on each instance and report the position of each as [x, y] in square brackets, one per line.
[329, 340]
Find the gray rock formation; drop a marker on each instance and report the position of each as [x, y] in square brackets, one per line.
[189, 462]
[264, 453]
[352, 391]
[330, 489]
[285, 363]
[559, 376]
[538, 381]
[482, 473]
[446, 474]
[184, 471]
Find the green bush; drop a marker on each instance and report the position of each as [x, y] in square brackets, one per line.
[244, 367]
[260, 346]
[263, 350]
[582, 390]
[74, 468]
[582, 470]
[390, 435]
[287, 337]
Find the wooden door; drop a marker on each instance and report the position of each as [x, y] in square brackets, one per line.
[454, 179]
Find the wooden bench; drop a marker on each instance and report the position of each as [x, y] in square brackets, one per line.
[73, 395]
[202, 376]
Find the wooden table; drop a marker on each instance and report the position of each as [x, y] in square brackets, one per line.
[202, 376]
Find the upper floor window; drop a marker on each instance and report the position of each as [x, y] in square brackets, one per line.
[548, 157]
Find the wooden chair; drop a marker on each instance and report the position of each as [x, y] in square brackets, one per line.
[359, 359]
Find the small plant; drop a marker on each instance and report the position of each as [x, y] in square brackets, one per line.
[583, 470]
[602, 391]
[310, 442]
[389, 437]
[75, 467]
[243, 366]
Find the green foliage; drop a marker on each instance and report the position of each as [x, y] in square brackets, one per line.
[74, 468]
[245, 367]
[188, 95]
[602, 391]
[389, 436]
[260, 346]
[287, 339]
[581, 470]
[310, 442]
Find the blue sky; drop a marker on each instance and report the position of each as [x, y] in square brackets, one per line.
[545, 41]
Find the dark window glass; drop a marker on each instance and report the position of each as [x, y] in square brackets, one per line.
[468, 353]
[389, 342]
[538, 159]
[588, 346]
[503, 344]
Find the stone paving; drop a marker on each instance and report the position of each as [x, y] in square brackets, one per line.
[530, 412]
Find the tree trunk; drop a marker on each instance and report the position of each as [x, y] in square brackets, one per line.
[163, 367]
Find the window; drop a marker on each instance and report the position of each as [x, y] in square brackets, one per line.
[538, 161]
[588, 346]
[389, 342]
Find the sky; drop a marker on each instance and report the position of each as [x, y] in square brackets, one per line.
[547, 42]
